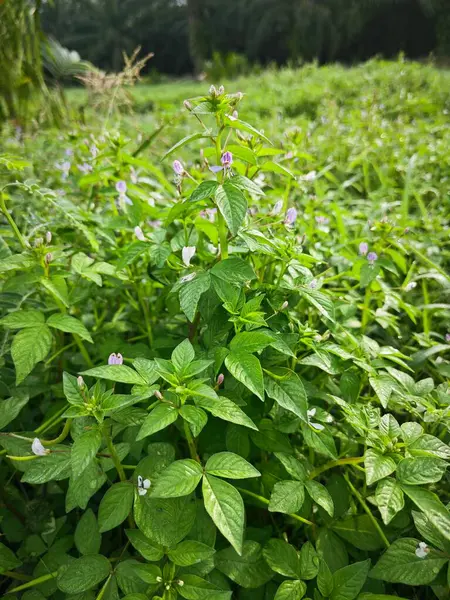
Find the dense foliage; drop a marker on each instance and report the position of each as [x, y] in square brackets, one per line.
[224, 344]
[184, 34]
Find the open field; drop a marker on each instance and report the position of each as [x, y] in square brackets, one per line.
[269, 316]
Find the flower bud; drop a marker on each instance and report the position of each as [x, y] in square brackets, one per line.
[115, 359]
[48, 258]
[38, 242]
[220, 379]
[221, 90]
[178, 167]
[227, 159]
[213, 91]
[48, 237]
[159, 579]
[284, 305]
[290, 217]
[235, 114]
[139, 234]
[158, 395]
[363, 248]
[372, 257]
[180, 582]
[80, 382]
[277, 208]
[37, 448]
[187, 104]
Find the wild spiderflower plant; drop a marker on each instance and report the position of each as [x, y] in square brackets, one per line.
[215, 408]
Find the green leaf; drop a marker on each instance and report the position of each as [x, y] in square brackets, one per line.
[87, 535]
[8, 560]
[20, 319]
[243, 126]
[179, 479]
[428, 531]
[196, 417]
[273, 167]
[83, 574]
[370, 596]
[147, 548]
[248, 569]
[360, 532]
[246, 184]
[206, 189]
[190, 552]
[224, 505]
[232, 204]
[148, 573]
[53, 467]
[389, 498]
[377, 465]
[320, 495]
[183, 355]
[399, 564]
[196, 588]
[230, 466]
[10, 408]
[308, 561]
[252, 341]
[246, 368]
[161, 417]
[282, 558]
[331, 549]
[325, 581]
[69, 325]
[72, 390]
[291, 590]
[233, 270]
[165, 521]
[183, 142]
[287, 497]
[293, 466]
[119, 373]
[420, 470]
[190, 293]
[349, 581]
[115, 506]
[30, 346]
[430, 504]
[289, 393]
[429, 445]
[84, 450]
[320, 441]
[146, 369]
[320, 301]
[368, 274]
[226, 409]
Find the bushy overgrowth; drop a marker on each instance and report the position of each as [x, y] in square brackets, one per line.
[223, 347]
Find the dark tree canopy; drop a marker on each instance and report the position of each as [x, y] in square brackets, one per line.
[184, 33]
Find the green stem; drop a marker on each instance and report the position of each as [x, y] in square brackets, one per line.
[367, 510]
[423, 258]
[51, 420]
[146, 316]
[336, 463]
[114, 455]
[103, 590]
[425, 315]
[222, 236]
[83, 350]
[366, 309]
[34, 582]
[18, 576]
[12, 222]
[61, 437]
[191, 443]
[266, 502]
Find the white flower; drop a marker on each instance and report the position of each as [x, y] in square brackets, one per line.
[311, 412]
[37, 448]
[410, 286]
[422, 550]
[139, 234]
[187, 278]
[115, 359]
[187, 253]
[143, 485]
[277, 208]
[311, 176]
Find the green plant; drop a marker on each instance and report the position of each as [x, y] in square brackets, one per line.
[217, 380]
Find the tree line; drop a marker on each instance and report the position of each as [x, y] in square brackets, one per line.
[184, 34]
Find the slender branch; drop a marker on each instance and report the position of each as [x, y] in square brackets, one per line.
[34, 582]
[267, 502]
[114, 455]
[18, 576]
[84, 352]
[191, 443]
[12, 222]
[61, 437]
[367, 510]
[354, 460]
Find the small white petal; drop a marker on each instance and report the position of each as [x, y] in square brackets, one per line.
[140, 481]
[37, 448]
[311, 412]
[147, 483]
[187, 253]
[317, 426]
[142, 491]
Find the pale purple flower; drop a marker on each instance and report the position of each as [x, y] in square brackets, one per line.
[277, 208]
[48, 258]
[372, 257]
[213, 91]
[37, 448]
[320, 220]
[252, 211]
[139, 234]
[38, 242]
[48, 237]
[290, 217]
[64, 167]
[234, 116]
[187, 253]
[121, 187]
[447, 337]
[363, 248]
[178, 167]
[157, 223]
[68, 152]
[134, 175]
[311, 176]
[227, 159]
[94, 151]
[209, 213]
[422, 550]
[85, 168]
[289, 155]
[143, 485]
[115, 359]
[311, 412]
[410, 286]
[221, 90]
[313, 284]
[220, 379]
